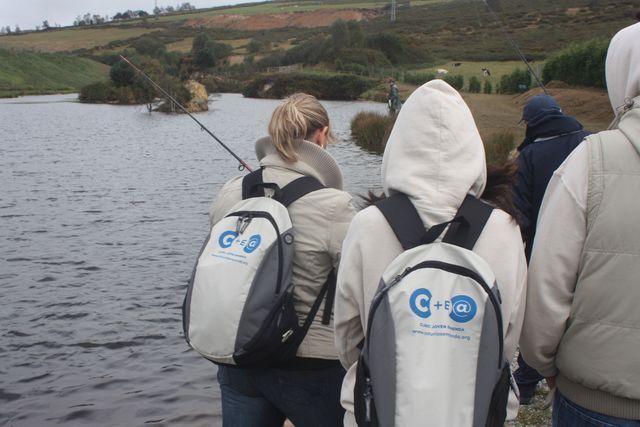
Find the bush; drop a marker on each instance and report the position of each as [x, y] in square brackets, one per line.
[337, 87]
[371, 130]
[580, 64]
[418, 79]
[310, 52]
[389, 44]
[474, 85]
[98, 92]
[455, 80]
[518, 81]
[150, 46]
[488, 87]
[364, 57]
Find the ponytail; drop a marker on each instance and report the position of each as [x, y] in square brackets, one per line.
[297, 118]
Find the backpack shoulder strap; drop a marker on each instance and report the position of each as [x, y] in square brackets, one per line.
[473, 214]
[403, 218]
[298, 188]
[251, 185]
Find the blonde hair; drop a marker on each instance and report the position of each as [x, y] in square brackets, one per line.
[297, 118]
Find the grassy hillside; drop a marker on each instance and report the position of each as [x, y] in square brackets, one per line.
[24, 73]
[434, 34]
[70, 39]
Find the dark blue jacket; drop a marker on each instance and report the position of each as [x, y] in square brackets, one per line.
[548, 142]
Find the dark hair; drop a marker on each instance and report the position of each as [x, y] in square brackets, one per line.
[498, 191]
[499, 188]
[638, 15]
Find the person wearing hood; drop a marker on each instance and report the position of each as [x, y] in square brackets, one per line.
[307, 389]
[435, 156]
[582, 325]
[550, 137]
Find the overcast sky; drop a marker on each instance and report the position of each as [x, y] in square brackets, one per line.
[29, 13]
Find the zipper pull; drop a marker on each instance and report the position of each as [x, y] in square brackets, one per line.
[287, 335]
[368, 396]
[243, 223]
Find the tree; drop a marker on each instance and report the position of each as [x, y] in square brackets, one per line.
[340, 35]
[186, 7]
[17, 28]
[150, 46]
[45, 25]
[122, 74]
[356, 35]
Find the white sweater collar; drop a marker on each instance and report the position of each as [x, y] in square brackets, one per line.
[312, 160]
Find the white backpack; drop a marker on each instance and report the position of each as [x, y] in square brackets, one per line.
[433, 352]
[239, 304]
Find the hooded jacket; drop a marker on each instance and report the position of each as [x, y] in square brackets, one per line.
[582, 323]
[435, 156]
[320, 220]
[550, 138]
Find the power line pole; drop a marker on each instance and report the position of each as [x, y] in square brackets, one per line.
[393, 10]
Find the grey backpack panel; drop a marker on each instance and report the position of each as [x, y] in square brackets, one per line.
[384, 364]
[488, 356]
[255, 310]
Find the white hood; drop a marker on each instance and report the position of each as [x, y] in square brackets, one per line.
[434, 154]
[623, 66]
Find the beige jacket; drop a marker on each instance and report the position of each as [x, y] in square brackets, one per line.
[320, 220]
[436, 157]
[582, 322]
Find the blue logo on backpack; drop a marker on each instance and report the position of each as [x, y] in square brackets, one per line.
[227, 238]
[463, 308]
[253, 243]
[420, 302]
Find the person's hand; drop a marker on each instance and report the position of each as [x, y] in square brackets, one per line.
[551, 382]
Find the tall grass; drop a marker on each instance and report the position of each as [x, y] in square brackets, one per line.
[498, 147]
[371, 130]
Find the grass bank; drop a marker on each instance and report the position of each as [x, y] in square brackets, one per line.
[26, 73]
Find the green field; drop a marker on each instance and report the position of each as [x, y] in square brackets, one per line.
[497, 69]
[70, 39]
[24, 73]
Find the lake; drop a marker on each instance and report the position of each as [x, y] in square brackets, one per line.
[103, 210]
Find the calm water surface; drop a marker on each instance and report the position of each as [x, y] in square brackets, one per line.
[102, 213]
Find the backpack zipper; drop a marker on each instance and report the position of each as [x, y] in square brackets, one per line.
[243, 215]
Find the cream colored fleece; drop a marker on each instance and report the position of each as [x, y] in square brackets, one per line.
[436, 156]
[320, 220]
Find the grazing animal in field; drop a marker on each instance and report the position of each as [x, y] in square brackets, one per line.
[441, 71]
[457, 64]
[486, 72]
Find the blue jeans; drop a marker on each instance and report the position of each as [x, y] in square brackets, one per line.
[265, 397]
[568, 414]
[527, 379]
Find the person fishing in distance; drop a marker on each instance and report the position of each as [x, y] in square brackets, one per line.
[393, 98]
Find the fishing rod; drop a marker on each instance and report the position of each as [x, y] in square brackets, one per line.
[515, 46]
[242, 166]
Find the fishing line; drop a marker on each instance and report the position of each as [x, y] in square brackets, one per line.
[242, 166]
[503, 26]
